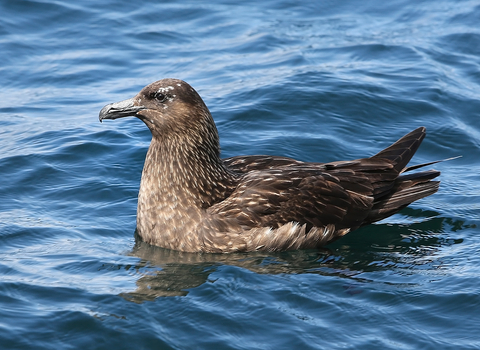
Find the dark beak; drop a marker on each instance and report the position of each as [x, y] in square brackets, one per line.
[120, 109]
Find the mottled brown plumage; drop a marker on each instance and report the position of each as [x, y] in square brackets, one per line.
[192, 200]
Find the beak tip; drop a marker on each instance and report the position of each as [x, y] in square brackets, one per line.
[103, 113]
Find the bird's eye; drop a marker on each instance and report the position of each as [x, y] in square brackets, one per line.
[161, 97]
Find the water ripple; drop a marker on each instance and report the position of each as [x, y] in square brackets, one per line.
[317, 81]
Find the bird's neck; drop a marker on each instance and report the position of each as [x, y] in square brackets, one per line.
[177, 172]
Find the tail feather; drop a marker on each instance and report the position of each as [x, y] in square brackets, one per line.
[403, 150]
[392, 188]
[407, 189]
[412, 179]
[400, 199]
[414, 167]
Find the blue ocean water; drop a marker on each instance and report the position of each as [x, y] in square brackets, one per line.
[317, 81]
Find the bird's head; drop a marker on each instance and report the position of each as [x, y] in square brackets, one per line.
[170, 108]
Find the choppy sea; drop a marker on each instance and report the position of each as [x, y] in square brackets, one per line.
[317, 81]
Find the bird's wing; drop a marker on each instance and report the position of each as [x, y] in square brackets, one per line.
[276, 190]
[312, 195]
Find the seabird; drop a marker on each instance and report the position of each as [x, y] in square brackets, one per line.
[192, 200]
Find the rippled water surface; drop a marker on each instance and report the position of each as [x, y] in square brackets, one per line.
[318, 81]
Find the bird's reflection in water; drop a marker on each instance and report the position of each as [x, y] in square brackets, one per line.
[404, 247]
[167, 272]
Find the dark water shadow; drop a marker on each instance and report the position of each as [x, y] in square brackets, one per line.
[406, 247]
